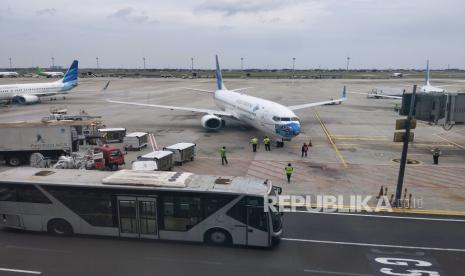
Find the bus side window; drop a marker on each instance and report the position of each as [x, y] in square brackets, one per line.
[238, 211]
[181, 213]
[7, 193]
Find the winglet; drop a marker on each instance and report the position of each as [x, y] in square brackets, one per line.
[219, 77]
[106, 86]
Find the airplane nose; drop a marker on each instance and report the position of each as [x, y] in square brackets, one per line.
[296, 129]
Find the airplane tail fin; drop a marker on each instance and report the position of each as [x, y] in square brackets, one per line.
[344, 93]
[71, 75]
[427, 73]
[219, 77]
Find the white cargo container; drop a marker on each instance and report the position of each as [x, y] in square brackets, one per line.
[162, 158]
[135, 141]
[182, 152]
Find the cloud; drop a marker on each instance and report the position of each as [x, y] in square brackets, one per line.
[233, 7]
[129, 14]
[47, 11]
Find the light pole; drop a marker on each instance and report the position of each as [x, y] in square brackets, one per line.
[242, 64]
[293, 67]
[143, 58]
[98, 66]
[11, 66]
[53, 62]
[192, 64]
[347, 65]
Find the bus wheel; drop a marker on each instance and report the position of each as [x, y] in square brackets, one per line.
[59, 227]
[14, 161]
[218, 237]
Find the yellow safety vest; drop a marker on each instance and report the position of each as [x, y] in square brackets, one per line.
[254, 141]
[223, 152]
[266, 141]
[289, 169]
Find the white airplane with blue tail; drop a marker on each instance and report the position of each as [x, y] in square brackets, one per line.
[31, 93]
[274, 119]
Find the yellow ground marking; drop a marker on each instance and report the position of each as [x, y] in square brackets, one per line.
[325, 130]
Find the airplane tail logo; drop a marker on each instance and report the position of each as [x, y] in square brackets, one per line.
[71, 75]
[219, 77]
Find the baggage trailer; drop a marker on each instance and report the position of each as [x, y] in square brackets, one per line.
[135, 141]
[112, 135]
[163, 161]
[18, 141]
[182, 152]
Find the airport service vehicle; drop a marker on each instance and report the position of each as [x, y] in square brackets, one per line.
[161, 160]
[135, 141]
[32, 92]
[276, 120]
[112, 135]
[8, 75]
[140, 204]
[182, 152]
[19, 140]
[113, 156]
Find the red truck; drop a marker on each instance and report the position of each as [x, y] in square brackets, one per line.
[113, 156]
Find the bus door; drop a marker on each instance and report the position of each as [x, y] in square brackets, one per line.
[258, 232]
[138, 217]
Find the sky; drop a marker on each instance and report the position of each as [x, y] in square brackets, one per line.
[265, 33]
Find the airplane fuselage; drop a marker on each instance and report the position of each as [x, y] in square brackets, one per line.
[267, 116]
[8, 92]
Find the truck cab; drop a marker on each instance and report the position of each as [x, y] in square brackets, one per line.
[113, 156]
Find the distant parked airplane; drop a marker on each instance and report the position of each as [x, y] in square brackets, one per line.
[274, 119]
[32, 92]
[43, 73]
[8, 75]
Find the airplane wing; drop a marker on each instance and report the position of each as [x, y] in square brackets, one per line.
[389, 97]
[301, 106]
[192, 109]
[199, 90]
[240, 89]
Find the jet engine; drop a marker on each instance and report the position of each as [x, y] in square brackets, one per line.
[26, 99]
[212, 122]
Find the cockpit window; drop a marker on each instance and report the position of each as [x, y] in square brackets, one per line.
[295, 119]
[276, 119]
[285, 119]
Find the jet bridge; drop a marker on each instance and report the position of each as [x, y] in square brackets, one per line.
[446, 109]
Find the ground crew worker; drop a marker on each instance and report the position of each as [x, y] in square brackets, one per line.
[254, 142]
[289, 170]
[223, 156]
[436, 153]
[267, 142]
[304, 150]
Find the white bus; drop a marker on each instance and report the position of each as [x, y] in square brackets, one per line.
[140, 204]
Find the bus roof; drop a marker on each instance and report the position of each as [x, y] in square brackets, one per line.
[128, 179]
